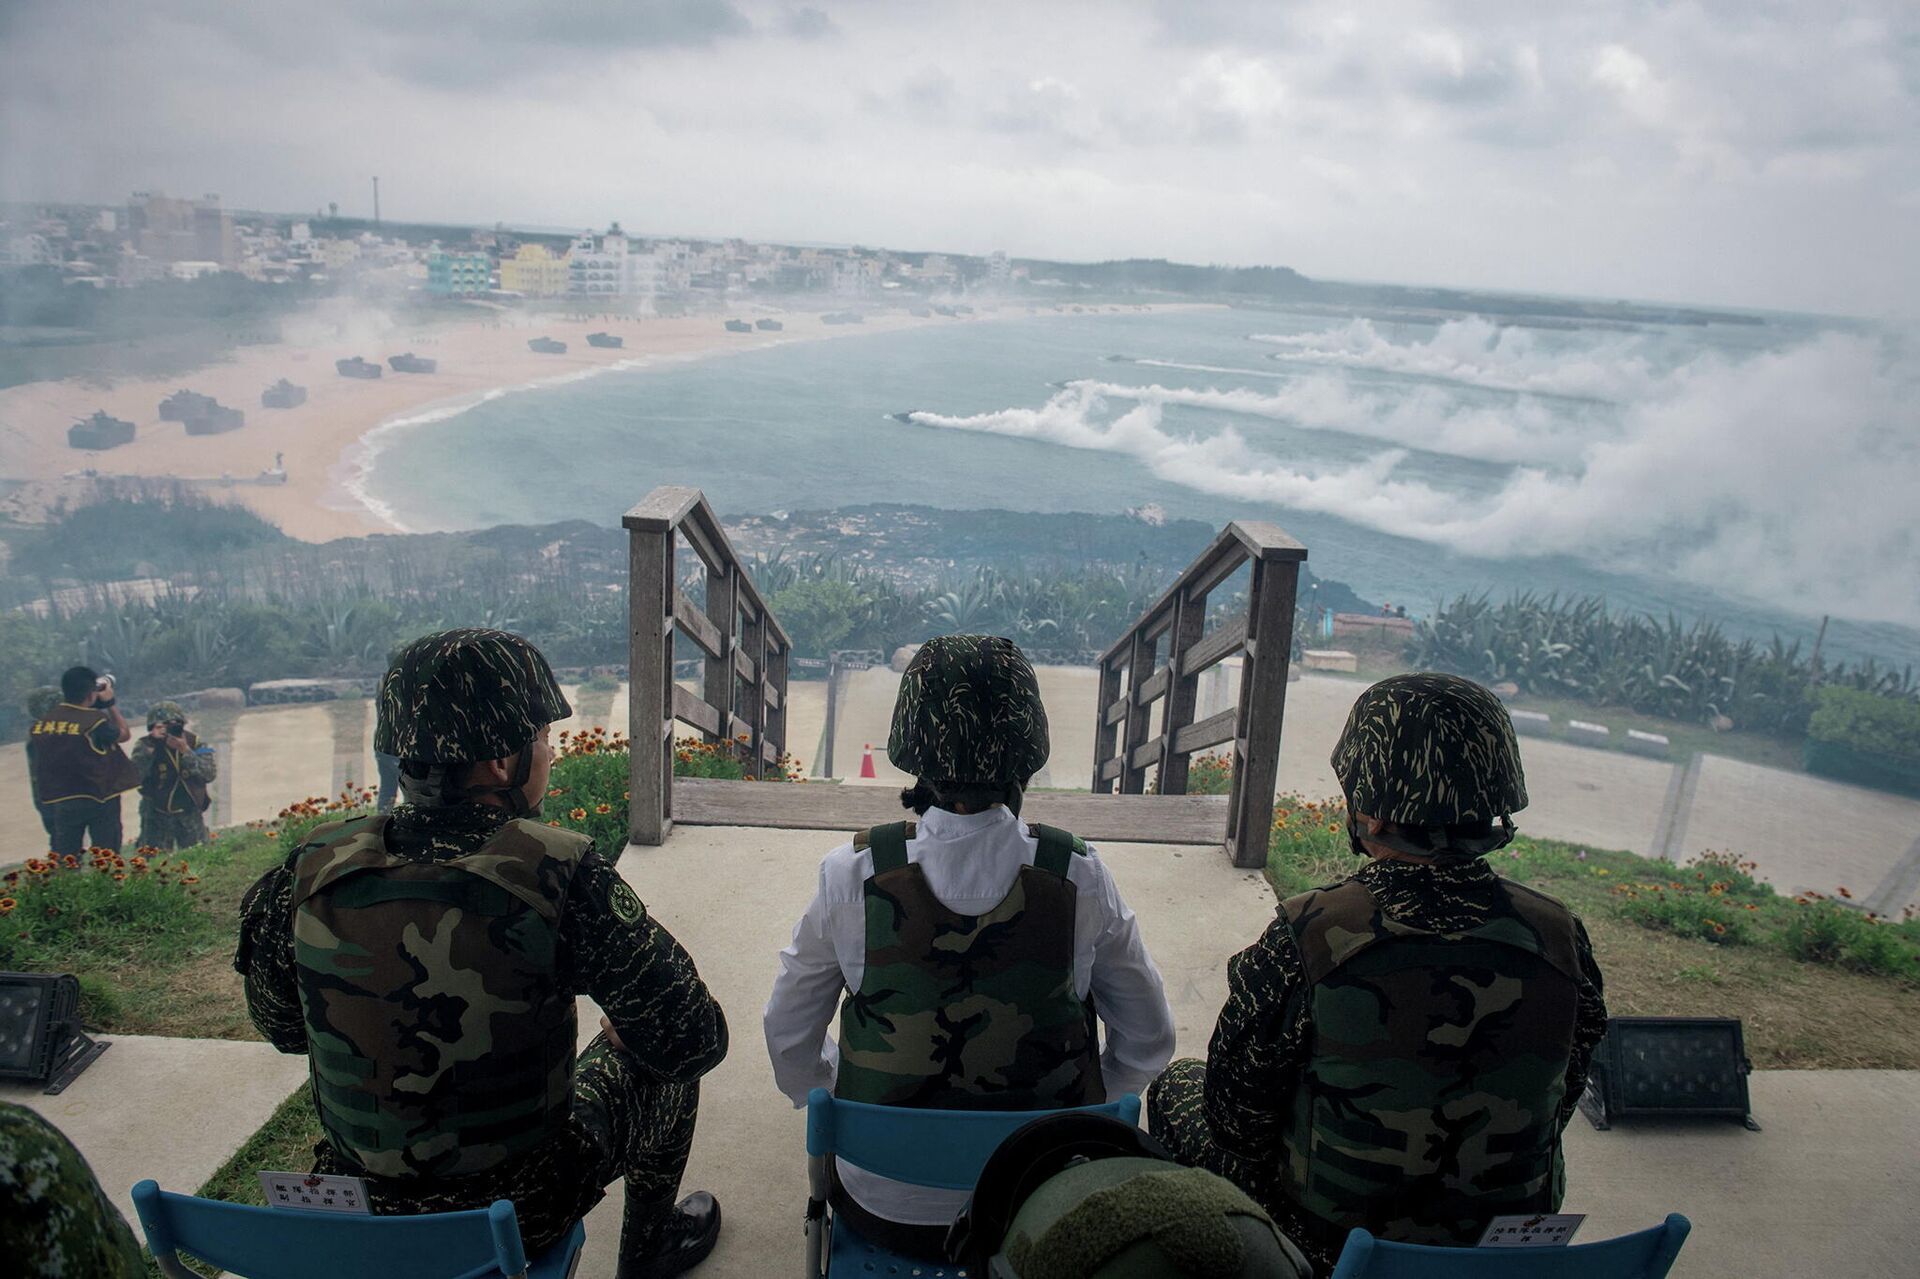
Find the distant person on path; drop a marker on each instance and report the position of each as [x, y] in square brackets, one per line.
[1402, 1050]
[429, 958]
[174, 771]
[55, 1220]
[966, 952]
[40, 704]
[79, 769]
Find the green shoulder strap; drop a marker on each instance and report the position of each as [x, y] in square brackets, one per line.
[1057, 849]
[887, 843]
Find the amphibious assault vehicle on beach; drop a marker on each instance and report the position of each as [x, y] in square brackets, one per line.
[411, 363]
[100, 432]
[739, 326]
[283, 395]
[356, 367]
[605, 339]
[768, 326]
[547, 346]
[214, 419]
[183, 406]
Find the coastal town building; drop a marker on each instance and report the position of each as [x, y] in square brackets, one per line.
[459, 274]
[535, 272]
[170, 230]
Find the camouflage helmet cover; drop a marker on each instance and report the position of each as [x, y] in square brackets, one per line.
[1428, 750]
[455, 697]
[165, 713]
[41, 701]
[969, 710]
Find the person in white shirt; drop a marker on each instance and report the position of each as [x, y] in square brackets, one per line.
[931, 939]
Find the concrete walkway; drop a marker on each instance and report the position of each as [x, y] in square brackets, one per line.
[1826, 1187]
[170, 1109]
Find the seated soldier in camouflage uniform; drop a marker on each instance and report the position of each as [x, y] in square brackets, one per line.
[428, 959]
[971, 949]
[1402, 1050]
[55, 1220]
[174, 772]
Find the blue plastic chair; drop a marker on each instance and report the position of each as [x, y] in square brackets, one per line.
[1645, 1254]
[288, 1243]
[943, 1148]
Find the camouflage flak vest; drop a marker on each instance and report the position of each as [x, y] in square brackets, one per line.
[1431, 1099]
[441, 1041]
[969, 1012]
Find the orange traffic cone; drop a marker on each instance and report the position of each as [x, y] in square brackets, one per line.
[866, 763]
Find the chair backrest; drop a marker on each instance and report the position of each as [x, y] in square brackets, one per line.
[1645, 1254]
[944, 1148]
[282, 1243]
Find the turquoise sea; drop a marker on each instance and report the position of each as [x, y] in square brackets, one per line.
[1762, 474]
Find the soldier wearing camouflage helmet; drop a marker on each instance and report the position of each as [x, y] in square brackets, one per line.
[174, 771]
[966, 951]
[428, 960]
[1402, 1050]
[55, 1220]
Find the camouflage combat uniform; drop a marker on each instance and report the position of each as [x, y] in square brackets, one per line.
[173, 785]
[558, 922]
[55, 1220]
[968, 1012]
[1401, 1051]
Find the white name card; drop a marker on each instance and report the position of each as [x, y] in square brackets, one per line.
[1537, 1230]
[312, 1192]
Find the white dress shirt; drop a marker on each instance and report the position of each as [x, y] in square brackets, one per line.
[970, 862]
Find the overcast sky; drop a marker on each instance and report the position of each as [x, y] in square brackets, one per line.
[1739, 152]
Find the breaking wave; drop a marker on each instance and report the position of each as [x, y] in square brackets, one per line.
[1476, 352]
[1785, 476]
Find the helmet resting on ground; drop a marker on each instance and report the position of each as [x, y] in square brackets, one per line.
[165, 713]
[1082, 1196]
[969, 711]
[456, 697]
[1427, 751]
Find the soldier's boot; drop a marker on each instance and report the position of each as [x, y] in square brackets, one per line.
[659, 1240]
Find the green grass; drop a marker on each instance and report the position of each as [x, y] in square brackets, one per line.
[1817, 984]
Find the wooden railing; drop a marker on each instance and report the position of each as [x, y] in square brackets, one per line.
[1161, 659]
[746, 654]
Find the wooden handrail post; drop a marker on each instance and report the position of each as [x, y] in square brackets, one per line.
[650, 589]
[1189, 620]
[753, 642]
[1104, 730]
[1263, 704]
[723, 610]
[1133, 781]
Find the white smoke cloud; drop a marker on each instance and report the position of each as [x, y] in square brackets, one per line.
[1787, 476]
[1476, 352]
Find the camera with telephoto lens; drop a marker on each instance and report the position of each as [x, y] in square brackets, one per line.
[176, 728]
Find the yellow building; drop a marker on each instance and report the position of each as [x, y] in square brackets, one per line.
[535, 272]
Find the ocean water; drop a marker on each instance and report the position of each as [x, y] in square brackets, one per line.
[1763, 474]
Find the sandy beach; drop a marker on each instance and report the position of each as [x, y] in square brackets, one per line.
[318, 441]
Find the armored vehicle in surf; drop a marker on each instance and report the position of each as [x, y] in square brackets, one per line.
[411, 363]
[605, 339]
[547, 346]
[100, 432]
[283, 395]
[356, 367]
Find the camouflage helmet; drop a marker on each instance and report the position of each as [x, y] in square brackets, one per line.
[41, 701]
[969, 711]
[455, 697]
[165, 713]
[1084, 1194]
[1427, 751]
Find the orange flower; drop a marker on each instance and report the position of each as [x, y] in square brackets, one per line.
[555, 793]
[138, 862]
[35, 866]
[1333, 826]
[119, 876]
[273, 834]
[7, 904]
[551, 822]
[189, 879]
[1719, 930]
[603, 809]
[70, 862]
[578, 814]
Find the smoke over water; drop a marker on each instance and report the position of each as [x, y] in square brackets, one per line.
[1787, 475]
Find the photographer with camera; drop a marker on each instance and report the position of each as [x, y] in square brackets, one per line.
[174, 771]
[79, 770]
